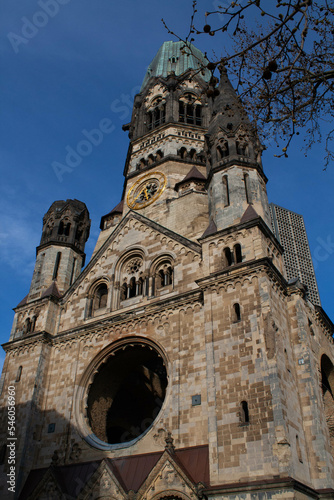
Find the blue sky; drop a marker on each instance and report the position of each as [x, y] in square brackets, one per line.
[83, 64]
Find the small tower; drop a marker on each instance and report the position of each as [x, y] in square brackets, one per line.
[60, 255]
[234, 168]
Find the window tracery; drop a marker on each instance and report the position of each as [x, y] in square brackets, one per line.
[190, 109]
[157, 113]
[133, 279]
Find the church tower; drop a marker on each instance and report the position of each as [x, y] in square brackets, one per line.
[181, 363]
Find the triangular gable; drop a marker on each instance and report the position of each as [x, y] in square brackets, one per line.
[103, 482]
[132, 471]
[131, 215]
[47, 488]
[70, 479]
[168, 478]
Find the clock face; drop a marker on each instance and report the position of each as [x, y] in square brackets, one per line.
[146, 190]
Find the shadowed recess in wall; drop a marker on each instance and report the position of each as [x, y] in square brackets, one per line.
[126, 394]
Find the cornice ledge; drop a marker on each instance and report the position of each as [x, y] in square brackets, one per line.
[241, 270]
[138, 314]
[258, 221]
[28, 340]
[237, 161]
[270, 484]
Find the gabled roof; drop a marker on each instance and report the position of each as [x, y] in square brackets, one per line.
[116, 210]
[130, 471]
[193, 174]
[191, 245]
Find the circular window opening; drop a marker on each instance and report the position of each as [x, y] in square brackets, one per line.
[126, 394]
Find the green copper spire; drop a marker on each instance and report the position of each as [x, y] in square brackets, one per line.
[175, 57]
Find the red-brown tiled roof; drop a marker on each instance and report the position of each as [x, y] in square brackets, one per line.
[131, 471]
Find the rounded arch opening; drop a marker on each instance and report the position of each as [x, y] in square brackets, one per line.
[126, 393]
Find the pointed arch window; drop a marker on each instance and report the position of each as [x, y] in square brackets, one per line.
[61, 228]
[223, 150]
[190, 110]
[157, 114]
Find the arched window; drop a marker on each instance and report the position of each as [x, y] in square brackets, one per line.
[159, 155]
[182, 152]
[242, 148]
[222, 150]
[33, 323]
[228, 257]
[157, 114]
[226, 193]
[244, 413]
[192, 155]
[100, 297]
[190, 109]
[164, 275]
[18, 374]
[133, 279]
[247, 188]
[150, 159]
[67, 229]
[237, 253]
[141, 164]
[56, 266]
[61, 228]
[27, 326]
[236, 313]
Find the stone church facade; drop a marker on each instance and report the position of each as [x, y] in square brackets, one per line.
[180, 363]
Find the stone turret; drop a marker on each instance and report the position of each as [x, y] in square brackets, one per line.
[60, 255]
[234, 166]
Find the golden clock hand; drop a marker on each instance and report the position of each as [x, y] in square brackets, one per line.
[139, 194]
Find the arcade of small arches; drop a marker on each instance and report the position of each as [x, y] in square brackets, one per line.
[232, 256]
[134, 281]
[183, 153]
[189, 111]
